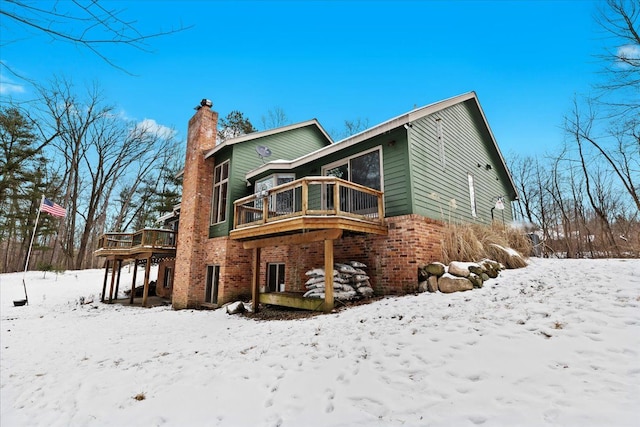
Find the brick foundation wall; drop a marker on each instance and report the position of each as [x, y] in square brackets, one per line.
[392, 261]
[161, 290]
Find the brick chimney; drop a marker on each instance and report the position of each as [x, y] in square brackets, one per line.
[197, 184]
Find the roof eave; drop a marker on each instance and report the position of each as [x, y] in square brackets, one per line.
[379, 129]
[265, 133]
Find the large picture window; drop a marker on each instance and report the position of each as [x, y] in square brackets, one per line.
[364, 169]
[220, 192]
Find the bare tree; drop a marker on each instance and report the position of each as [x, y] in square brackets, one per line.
[351, 127]
[275, 117]
[100, 151]
[619, 21]
[85, 23]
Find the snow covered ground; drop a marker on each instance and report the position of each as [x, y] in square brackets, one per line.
[556, 343]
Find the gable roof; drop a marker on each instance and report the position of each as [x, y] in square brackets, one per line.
[401, 120]
[265, 133]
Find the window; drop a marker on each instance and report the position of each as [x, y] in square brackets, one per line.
[284, 202]
[472, 196]
[364, 169]
[211, 288]
[220, 190]
[168, 277]
[275, 277]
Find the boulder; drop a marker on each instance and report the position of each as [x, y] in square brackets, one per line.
[490, 264]
[449, 283]
[476, 269]
[507, 256]
[432, 284]
[476, 280]
[460, 269]
[235, 307]
[435, 269]
[492, 268]
[492, 273]
[422, 286]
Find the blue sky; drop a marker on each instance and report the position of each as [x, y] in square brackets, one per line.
[337, 61]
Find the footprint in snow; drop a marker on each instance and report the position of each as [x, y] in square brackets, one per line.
[477, 419]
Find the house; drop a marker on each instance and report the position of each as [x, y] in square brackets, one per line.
[260, 210]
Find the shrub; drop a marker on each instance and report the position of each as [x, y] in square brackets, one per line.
[473, 242]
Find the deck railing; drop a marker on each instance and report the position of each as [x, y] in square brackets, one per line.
[146, 238]
[317, 196]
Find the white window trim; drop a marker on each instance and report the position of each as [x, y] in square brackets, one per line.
[472, 196]
[215, 187]
[282, 279]
[274, 179]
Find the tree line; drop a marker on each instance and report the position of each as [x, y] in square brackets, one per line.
[584, 199]
[114, 174]
[108, 172]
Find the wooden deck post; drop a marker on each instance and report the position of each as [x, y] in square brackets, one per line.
[328, 275]
[305, 197]
[113, 277]
[133, 283]
[118, 279]
[104, 284]
[145, 293]
[255, 279]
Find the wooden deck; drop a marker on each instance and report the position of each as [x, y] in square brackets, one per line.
[144, 246]
[311, 209]
[312, 203]
[159, 242]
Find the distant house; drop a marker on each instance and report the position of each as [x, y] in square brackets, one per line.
[260, 210]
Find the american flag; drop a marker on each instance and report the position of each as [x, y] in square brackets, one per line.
[52, 208]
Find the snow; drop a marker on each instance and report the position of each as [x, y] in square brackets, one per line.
[556, 343]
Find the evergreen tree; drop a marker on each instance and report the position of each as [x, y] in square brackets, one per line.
[234, 125]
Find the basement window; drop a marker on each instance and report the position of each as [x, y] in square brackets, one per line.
[211, 288]
[275, 277]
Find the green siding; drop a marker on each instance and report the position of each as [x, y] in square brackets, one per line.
[394, 165]
[415, 180]
[442, 191]
[244, 158]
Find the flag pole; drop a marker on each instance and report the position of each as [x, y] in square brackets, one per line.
[33, 235]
